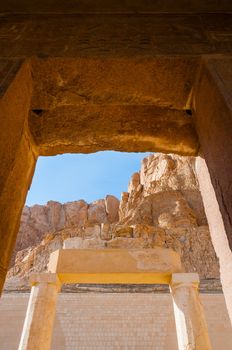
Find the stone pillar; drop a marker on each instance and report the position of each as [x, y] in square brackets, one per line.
[212, 113]
[217, 230]
[18, 153]
[192, 333]
[38, 324]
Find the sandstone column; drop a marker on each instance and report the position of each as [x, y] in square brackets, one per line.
[38, 324]
[192, 333]
[17, 153]
[217, 230]
[212, 112]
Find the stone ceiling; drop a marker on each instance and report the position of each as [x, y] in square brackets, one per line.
[115, 6]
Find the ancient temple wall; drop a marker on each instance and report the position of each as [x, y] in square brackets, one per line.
[139, 321]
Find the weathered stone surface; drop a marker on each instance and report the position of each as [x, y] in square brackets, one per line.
[192, 244]
[76, 213]
[154, 265]
[97, 212]
[106, 232]
[80, 243]
[60, 131]
[127, 243]
[167, 172]
[123, 231]
[217, 230]
[215, 85]
[214, 124]
[100, 81]
[17, 153]
[165, 183]
[73, 96]
[91, 231]
[112, 206]
[38, 220]
[57, 214]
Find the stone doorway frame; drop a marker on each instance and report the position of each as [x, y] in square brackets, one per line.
[110, 266]
[27, 132]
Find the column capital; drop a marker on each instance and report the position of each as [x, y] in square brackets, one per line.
[184, 280]
[47, 278]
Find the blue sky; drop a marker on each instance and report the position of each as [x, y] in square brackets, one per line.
[92, 176]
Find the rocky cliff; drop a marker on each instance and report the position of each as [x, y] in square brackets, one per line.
[165, 189]
[38, 220]
[162, 207]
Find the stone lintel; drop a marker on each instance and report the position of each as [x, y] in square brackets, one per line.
[86, 104]
[105, 81]
[86, 129]
[115, 265]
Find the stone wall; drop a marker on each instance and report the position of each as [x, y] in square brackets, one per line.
[113, 321]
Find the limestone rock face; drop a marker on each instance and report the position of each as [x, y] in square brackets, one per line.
[166, 185]
[97, 212]
[112, 207]
[191, 242]
[38, 220]
[162, 207]
[75, 213]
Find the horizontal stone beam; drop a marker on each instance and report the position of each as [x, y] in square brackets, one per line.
[125, 104]
[91, 128]
[114, 6]
[114, 35]
[164, 81]
[107, 266]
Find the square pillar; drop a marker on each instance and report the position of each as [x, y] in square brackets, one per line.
[192, 332]
[18, 153]
[39, 320]
[217, 230]
[212, 113]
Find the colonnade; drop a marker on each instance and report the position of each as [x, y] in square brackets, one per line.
[191, 326]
